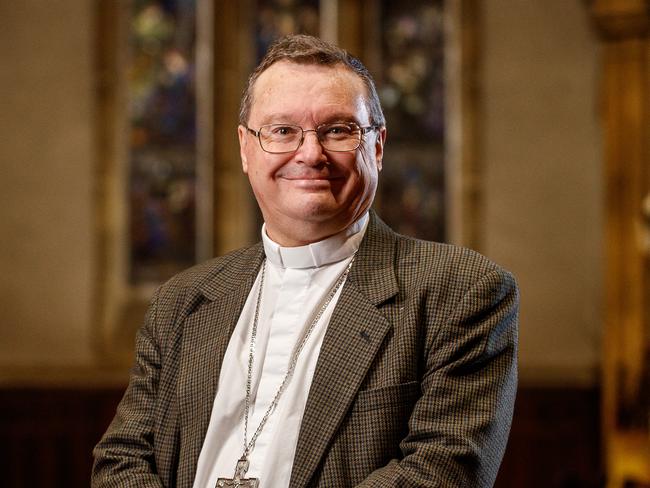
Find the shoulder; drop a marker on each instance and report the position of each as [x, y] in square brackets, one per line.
[441, 258]
[444, 270]
[462, 291]
[447, 269]
[202, 273]
[186, 290]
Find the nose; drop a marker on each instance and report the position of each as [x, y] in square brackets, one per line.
[311, 151]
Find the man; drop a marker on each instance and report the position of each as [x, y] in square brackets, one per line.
[335, 353]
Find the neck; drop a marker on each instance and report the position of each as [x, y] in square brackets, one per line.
[299, 237]
[295, 234]
[328, 250]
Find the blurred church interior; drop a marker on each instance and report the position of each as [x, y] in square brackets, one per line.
[519, 128]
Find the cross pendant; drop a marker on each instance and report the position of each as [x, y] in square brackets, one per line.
[238, 481]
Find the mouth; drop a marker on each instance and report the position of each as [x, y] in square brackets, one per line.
[315, 178]
[310, 182]
[305, 173]
[308, 178]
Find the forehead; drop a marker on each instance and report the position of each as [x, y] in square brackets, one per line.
[303, 91]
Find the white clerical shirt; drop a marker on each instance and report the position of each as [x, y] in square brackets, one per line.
[296, 283]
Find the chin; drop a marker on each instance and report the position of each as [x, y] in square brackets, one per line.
[316, 204]
[314, 214]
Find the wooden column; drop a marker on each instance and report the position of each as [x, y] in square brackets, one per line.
[624, 27]
[234, 59]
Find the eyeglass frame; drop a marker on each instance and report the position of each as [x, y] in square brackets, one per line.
[362, 132]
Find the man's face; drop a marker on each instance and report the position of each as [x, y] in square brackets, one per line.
[311, 193]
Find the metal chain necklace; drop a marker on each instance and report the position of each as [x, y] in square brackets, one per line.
[238, 481]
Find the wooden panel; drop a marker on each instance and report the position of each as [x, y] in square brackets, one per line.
[554, 440]
[47, 436]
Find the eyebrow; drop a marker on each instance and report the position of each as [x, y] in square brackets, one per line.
[340, 117]
[276, 119]
[285, 118]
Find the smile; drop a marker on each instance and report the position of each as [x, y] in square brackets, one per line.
[311, 182]
[308, 178]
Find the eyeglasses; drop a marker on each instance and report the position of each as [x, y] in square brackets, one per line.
[286, 138]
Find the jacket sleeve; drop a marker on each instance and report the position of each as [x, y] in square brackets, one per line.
[124, 457]
[458, 429]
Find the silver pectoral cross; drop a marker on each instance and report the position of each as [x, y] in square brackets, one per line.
[238, 481]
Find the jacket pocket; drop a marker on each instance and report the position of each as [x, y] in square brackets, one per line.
[387, 396]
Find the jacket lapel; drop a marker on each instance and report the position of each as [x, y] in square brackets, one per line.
[206, 333]
[354, 335]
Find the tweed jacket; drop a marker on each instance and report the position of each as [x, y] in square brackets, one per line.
[414, 385]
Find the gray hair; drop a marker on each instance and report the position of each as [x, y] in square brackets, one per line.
[303, 49]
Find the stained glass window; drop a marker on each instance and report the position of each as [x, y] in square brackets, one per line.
[411, 87]
[277, 18]
[162, 138]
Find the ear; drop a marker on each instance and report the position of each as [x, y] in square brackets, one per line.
[379, 147]
[243, 141]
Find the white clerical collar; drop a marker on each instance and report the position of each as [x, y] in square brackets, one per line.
[334, 248]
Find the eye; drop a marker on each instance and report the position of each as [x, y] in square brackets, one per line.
[283, 130]
[338, 130]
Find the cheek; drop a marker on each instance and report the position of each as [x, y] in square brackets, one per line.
[268, 165]
[362, 179]
[367, 169]
[261, 168]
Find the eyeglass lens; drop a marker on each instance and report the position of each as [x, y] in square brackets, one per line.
[279, 138]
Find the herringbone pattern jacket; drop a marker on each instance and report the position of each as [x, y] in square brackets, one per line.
[414, 386]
